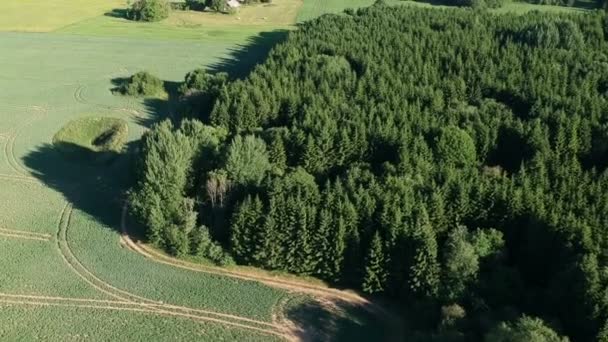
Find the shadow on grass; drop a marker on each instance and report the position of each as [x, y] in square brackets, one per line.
[99, 189]
[238, 64]
[94, 182]
[156, 108]
[317, 320]
[117, 13]
[243, 58]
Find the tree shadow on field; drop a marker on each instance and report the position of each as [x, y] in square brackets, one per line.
[117, 13]
[99, 189]
[243, 58]
[240, 62]
[94, 182]
[156, 109]
[334, 320]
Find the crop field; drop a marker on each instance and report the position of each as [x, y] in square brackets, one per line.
[67, 273]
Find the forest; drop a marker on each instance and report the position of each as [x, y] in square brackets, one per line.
[454, 161]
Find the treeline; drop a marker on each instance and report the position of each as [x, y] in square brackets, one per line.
[450, 159]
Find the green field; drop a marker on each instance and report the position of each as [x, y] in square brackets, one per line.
[60, 218]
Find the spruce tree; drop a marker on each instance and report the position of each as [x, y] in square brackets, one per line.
[375, 269]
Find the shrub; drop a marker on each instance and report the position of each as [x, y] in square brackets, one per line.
[143, 84]
[199, 81]
[218, 5]
[149, 10]
[196, 5]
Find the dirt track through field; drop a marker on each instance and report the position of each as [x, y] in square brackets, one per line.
[152, 305]
[19, 234]
[319, 292]
[22, 179]
[271, 281]
[9, 146]
[121, 306]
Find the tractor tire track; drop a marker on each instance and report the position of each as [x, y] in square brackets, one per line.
[9, 146]
[23, 179]
[141, 309]
[24, 235]
[149, 304]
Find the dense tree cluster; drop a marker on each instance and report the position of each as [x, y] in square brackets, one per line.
[148, 10]
[142, 83]
[451, 158]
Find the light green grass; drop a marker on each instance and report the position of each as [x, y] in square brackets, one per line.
[49, 15]
[29, 323]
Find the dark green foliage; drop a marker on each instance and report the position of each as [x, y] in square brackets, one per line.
[148, 10]
[454, 146]
[196, 5]
[247, 161]
[524, 329]
[201, 82]
[218, 5]
[386, 137]
[143, 83]
[375, 268]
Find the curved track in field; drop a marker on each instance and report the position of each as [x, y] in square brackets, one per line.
[9, 146]
[142, 303]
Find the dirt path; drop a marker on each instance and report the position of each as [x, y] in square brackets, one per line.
[320, 293]
[290, 285]
[123, 296]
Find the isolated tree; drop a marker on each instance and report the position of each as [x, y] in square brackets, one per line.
[148, 10]
[143, 83]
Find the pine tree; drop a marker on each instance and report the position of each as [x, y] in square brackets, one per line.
[424, 269]
[247, 223]
[277, 154]
[375, 269]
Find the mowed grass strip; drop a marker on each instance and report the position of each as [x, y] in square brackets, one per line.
[49, 15]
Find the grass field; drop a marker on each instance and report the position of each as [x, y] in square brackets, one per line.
[45, 15]
[66, 273]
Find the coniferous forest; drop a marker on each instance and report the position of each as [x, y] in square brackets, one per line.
[454, 161]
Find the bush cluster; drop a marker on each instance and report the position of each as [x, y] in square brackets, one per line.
[148, 10]
[143, 84]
